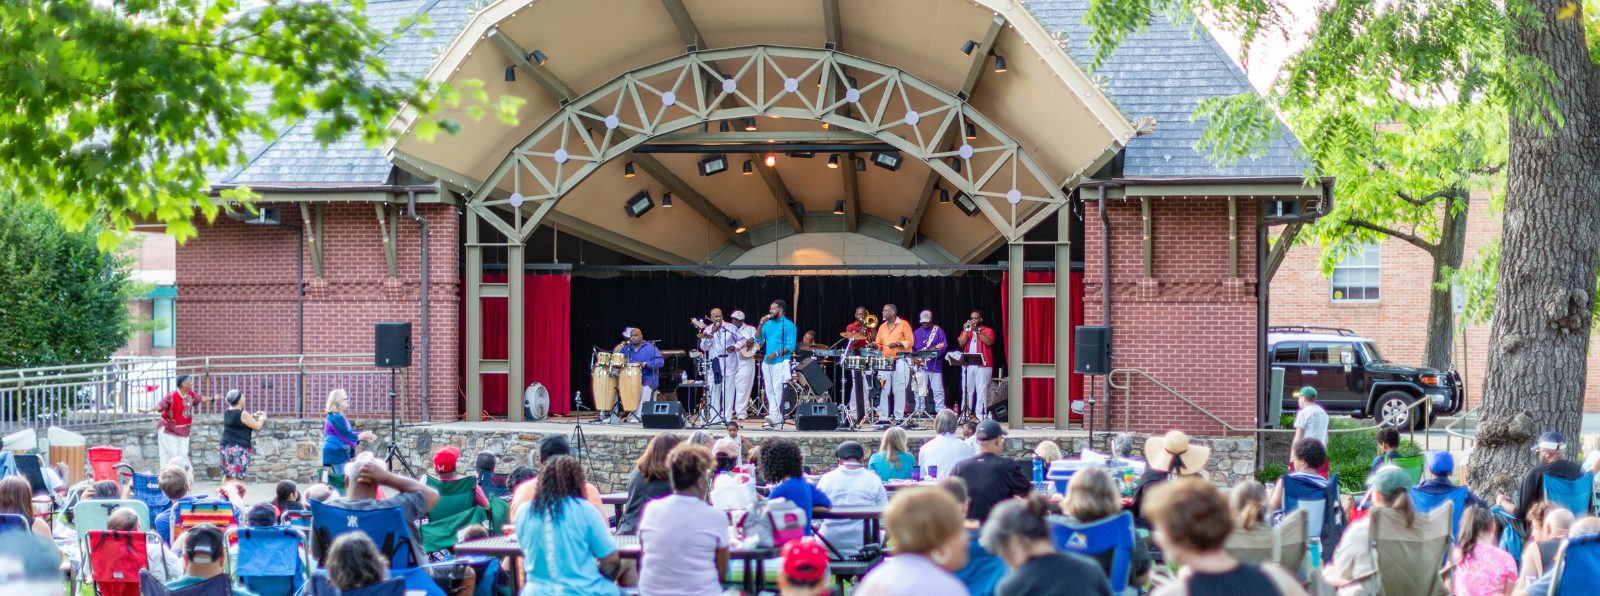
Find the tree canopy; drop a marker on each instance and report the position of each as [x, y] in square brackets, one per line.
[123, 108]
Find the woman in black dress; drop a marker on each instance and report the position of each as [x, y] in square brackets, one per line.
[238, 430]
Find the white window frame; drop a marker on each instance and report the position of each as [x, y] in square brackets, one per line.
[1370, 258]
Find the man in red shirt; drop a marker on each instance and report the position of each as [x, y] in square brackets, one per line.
[976, 339]
[859, 380]
[177, 414]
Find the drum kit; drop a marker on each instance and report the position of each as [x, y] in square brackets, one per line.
[615, 382]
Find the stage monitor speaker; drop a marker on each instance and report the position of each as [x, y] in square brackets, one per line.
[1000, 411]
[817, 416]
[816, 377]
[661, 414]
[391, 345]
[1092, 354]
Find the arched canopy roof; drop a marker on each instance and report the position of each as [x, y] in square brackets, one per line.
[649, 83]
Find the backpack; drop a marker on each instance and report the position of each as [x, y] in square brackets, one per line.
[775, 522]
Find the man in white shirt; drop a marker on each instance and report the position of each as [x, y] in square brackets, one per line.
[719, 341]
[850, 485]
[744, 375]
[945, 448]
[1311, 422]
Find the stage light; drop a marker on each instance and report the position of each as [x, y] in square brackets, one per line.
[798, 207]
[904, 221]
[627, 170]
[861, 164]
[511, 73]
[750, 124]
[824, 126]
[724, 126]
[833, 161]
[888, 160]
[666, 200]
[715, 164]
[771, 159]
[852, 81]
[968, 47]
[972, 131]
[639, 204]
[538, 57]
[749, 166]
[944, 196]
[805, 154]
[955, 164]
[838, 208]
[966, 204]
[737, 225]
[999, 63]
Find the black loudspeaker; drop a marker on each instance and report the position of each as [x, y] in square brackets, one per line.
[391, 345]
[817, 416]
[1092, 354]
[1001, 410]
[661, 414]
[816, 377]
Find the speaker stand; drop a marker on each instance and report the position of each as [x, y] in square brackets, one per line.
[394, 431]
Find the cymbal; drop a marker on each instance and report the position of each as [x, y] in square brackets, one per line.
[854, 336]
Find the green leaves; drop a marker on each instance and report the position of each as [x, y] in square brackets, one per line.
[1237, 126]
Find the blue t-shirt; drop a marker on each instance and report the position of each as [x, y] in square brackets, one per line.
[561, 550]
[803, 495]
[880, 465]
[189, 580]
[983, 570]
[779, 334]
[336, 432]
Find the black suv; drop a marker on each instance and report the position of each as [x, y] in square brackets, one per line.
[1352, 377]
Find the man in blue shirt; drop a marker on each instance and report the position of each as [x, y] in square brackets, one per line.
[779, 335]
[174, 483]
[646, 356]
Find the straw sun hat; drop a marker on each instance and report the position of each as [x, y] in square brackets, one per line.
[1161, 451]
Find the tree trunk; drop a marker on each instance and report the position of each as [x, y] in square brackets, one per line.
[1539, 336]
[1447, 253]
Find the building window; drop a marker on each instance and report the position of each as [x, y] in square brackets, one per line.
[1355, 278]
[161, 312]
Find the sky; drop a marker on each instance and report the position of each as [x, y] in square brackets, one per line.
[1270, 50]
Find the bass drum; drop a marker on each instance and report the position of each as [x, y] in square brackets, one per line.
[604, 387]
[537, 401]
[790, 400]
[630, 383]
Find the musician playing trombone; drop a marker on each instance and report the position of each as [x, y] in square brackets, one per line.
[859, 382]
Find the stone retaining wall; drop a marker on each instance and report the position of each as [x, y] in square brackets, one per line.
[292, 448]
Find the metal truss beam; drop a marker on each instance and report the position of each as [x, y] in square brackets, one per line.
[980, 57]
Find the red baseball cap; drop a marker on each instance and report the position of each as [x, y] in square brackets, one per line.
[805, 560]
[444, 461]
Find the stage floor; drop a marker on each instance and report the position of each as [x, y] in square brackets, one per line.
[748, 428]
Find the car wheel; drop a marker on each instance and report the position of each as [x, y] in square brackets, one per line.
[1393, 409]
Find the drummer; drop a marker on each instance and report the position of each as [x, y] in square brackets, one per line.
[808, 346]
[646, 356]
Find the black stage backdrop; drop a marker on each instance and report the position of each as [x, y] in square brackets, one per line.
[661, 305]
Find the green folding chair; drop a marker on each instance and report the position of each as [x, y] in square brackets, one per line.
[455, 496]
[499, 513]
[440, 533]
[336, 481]
[1413, 467]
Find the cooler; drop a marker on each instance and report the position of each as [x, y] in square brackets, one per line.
[102, 460]
[67, 446]
[1061, 472]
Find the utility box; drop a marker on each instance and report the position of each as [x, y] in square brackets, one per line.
[1275, 398]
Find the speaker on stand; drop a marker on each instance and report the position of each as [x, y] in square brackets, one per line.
[1091, 356]
[391, 349]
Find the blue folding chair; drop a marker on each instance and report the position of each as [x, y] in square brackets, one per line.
[387, 528]
[216, 586]
[1309, 494]
[299, 519]
[146, 488]
[389, 587]
[1091, 539]
[493, 484]
[12, 521]
[1578, 569]
[1575, 495]
[269, 562]
[1457, 499]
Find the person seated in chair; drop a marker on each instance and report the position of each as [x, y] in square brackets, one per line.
[175, 483]
[354, 562]
[414, 498]
[1441, 464]
[1552, 462]
[444, 464]
[1092, 496]
[162, 562]
[204, 552]
[1309, 456]
[1388, 447]
[1589, 526]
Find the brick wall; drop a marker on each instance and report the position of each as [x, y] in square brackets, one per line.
[1398, 321]
[1190, 326]
[238, 293]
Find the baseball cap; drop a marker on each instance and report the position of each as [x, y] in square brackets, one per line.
[444, 461]
[990, 429]
[927, 317]
[1307, 392]
[1441, 463]
[805, 560]
[204, 543]
[1551, 440]
[738, 314]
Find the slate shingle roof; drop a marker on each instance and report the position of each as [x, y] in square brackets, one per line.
[1163, 73]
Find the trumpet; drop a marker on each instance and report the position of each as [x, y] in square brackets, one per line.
[870, 321]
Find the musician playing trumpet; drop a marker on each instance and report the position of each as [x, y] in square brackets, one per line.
[976, 339]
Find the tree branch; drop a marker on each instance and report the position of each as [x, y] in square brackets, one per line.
[1393, 233]
[1423, 202]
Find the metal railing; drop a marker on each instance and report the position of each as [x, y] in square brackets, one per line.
[116, 391]
[1127, 390]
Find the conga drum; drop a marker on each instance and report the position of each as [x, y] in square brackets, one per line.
[604, 386]
[630, 384]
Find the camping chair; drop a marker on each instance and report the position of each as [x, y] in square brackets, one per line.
[1407, 559]
[336, 481]
[1412, 465]
[1092, 538]
[1575, 495]
[103, 462]
[440, 534]
[499, 514]
[88, 516]
[455, 496]
[1456, 499]
[1309, 495]
[269, 560]
[1578, 568]
[493, 484]
[12, 521]
[387, 528]
[29, 466]
[145, 487]
[216, 586]
[1284, 544]
[393, 586]
[198, 511]
[115, 561]
[299, 519]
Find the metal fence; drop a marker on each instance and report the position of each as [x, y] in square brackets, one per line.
[116, 391]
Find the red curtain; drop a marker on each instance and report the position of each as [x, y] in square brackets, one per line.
[1038, 344]
[547, 307]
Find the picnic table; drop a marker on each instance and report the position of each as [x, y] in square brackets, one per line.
[871, 514]
[628, 547]
[894, 486]
[616, 501]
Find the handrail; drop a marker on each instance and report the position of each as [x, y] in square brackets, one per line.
[1127, 388]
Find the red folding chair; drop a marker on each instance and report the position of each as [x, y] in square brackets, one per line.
[103, 462]
[115, 560]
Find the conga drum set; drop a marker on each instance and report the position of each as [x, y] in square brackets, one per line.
[616, 382]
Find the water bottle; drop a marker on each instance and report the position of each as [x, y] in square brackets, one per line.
[1038, 470]
[1314, 546]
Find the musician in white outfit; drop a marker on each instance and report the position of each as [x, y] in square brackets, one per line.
[719, 340]
[976, 339]
[744, 375]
